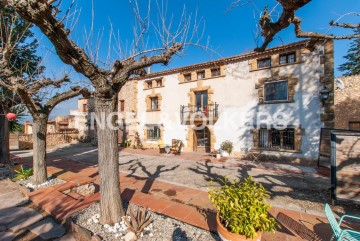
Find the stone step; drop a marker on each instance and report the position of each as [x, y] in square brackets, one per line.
[13, 199]
[25, 222]
[47, 229]
[9, 215]
[7, 236]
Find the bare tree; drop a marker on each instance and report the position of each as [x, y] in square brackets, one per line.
[283, 14]
[29, 91]
[107, 82]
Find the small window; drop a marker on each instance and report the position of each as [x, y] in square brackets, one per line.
[153, 133]
[201, 74]
[277, 139]
[154, 103]
[287, 58]
[276, 91]
[159, 83]
[84, 108]
[354, 125]
[187, 77]
[149, 84]
[122, 105]
[215, 72]
[264, 63]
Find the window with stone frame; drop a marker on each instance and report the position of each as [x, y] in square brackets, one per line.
[287, 58]
[201, 74]
[149, 84]
[154, 103]
[264, 63]
[159, 83]
[122, 105]
[153, 132]
[187, 77]
[215, 72]
[277, 139]
[276, 91]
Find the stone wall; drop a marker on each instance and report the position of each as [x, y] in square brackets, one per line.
[26, 141]
[128, 94]
[347, 102]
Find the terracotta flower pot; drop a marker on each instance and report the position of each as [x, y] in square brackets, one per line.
[225, 235]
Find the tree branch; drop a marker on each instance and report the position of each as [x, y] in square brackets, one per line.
[40, 13]
[73, 92]
[269, 29]
[48, 82]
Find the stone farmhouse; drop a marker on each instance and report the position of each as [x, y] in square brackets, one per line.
[269, 101]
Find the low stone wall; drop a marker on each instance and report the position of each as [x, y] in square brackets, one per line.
[26, 141]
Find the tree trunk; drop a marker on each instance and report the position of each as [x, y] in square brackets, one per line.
[111, 209]
[4, 138]
[39, 148]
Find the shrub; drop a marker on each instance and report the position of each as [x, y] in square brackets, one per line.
[242, 207]
[227, 146]
[23, 174]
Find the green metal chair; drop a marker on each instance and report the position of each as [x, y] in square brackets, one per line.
[341, 234]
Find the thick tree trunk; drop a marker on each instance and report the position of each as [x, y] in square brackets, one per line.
[4, 139]
[111, 209]
[39, 148]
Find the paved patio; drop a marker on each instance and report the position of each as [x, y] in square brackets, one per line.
[295, 187]
[176, 187]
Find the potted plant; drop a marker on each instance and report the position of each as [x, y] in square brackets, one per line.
[242, 212]
[226, 148]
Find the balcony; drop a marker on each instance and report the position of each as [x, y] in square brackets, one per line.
[199, 114]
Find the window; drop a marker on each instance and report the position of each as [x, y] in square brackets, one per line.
[154, 103]
[354, 125]
[122, 105]
[149, 84]
[159, 83]
[153, 132]
[187, 77]
[276, 91]
[215, 72]
[287, 58]
[201, 99]
[84, 108]
[263, 63]
[277, 139]
[201, 74]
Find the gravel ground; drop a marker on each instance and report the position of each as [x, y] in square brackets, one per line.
[28, 183]
[162, 228]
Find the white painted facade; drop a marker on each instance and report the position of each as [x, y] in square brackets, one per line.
[237, 97]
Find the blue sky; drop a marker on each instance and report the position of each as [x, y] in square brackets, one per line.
[230, 33]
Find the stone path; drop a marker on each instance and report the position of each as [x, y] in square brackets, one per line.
[18, 217]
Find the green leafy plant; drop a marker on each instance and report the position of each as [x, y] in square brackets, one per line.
[227, 146]
[242, 207]
[139, 221]
[23, 174]
[127, 143]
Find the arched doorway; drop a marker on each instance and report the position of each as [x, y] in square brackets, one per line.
[202, 139]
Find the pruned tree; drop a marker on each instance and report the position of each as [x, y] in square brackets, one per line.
[352, 64]
[270, 25]
[107, 82]
[27, 85]
[25, 63]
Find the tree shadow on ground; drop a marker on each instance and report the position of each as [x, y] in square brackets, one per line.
[209, 172]
[150, 176]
